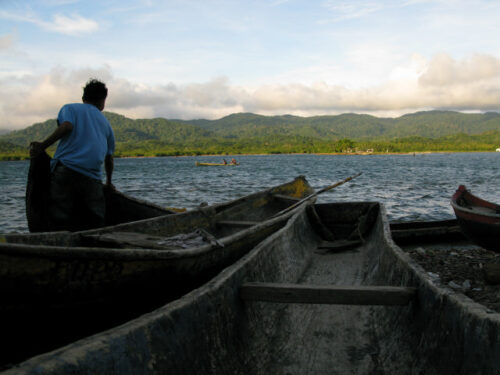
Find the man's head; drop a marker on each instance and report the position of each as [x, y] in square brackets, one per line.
[95, 92]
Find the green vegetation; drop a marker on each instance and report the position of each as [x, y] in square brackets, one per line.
[247, 133]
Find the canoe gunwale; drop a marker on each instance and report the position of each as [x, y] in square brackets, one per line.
[159, 221]
[463, 194]
[139, 254]
[465, 212]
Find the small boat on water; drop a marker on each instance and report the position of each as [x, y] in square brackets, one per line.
[297, 303]
[60, 286]
[200, 164]
[479, 219]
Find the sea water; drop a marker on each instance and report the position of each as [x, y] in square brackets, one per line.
[412, 187]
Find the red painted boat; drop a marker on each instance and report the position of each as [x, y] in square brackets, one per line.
[479, 220]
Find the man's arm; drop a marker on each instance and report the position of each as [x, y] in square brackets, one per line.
[108, 166]
[37, 148]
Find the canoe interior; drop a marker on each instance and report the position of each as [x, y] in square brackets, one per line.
[121, 208]
[211, 330]
[75, 277]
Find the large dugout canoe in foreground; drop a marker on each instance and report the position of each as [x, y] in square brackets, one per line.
[58, 287]
[231, 326]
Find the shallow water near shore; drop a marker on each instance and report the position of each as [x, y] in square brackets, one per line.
[412, 187]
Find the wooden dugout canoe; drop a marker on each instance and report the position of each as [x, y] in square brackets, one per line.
[58, 287]
[222, 327]
[426, 231]
[479, 219]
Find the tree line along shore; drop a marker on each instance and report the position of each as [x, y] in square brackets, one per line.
[240, 134]
[403, 146]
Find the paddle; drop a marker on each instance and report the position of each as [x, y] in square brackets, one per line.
[315, 194]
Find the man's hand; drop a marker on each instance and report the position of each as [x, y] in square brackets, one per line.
[109, 185]
[36, 148]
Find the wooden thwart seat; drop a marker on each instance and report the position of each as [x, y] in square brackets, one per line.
[336, 246]
[327, 294]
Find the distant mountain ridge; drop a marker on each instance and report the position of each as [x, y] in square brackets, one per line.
[240, 127]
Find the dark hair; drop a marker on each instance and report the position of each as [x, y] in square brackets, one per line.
[94, 91]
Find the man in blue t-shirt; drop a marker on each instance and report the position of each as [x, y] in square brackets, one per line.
[86, 143]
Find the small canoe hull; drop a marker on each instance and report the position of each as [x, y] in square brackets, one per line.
[478, 218]
[426, 231]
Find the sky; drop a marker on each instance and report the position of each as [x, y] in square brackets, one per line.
[192, 59]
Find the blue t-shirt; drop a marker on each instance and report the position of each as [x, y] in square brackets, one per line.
[91, 139]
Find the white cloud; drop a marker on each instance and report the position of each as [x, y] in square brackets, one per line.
[443, 70]
[471, 84]
[70, 25]
[25, 99]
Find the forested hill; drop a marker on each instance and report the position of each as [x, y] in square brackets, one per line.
[432, 124]
[246, 132]
[125, 129]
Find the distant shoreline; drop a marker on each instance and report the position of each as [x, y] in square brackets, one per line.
[23, 158]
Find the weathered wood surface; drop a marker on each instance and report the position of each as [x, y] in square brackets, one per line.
[319, 226]
[236, 223]
[146, 241]
[327, 294]
[492, 273]
[423, 234]
[338, 245]
[198, 237]
[286, 198]
[315, 194]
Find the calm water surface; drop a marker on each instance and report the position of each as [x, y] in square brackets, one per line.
[411, 187]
